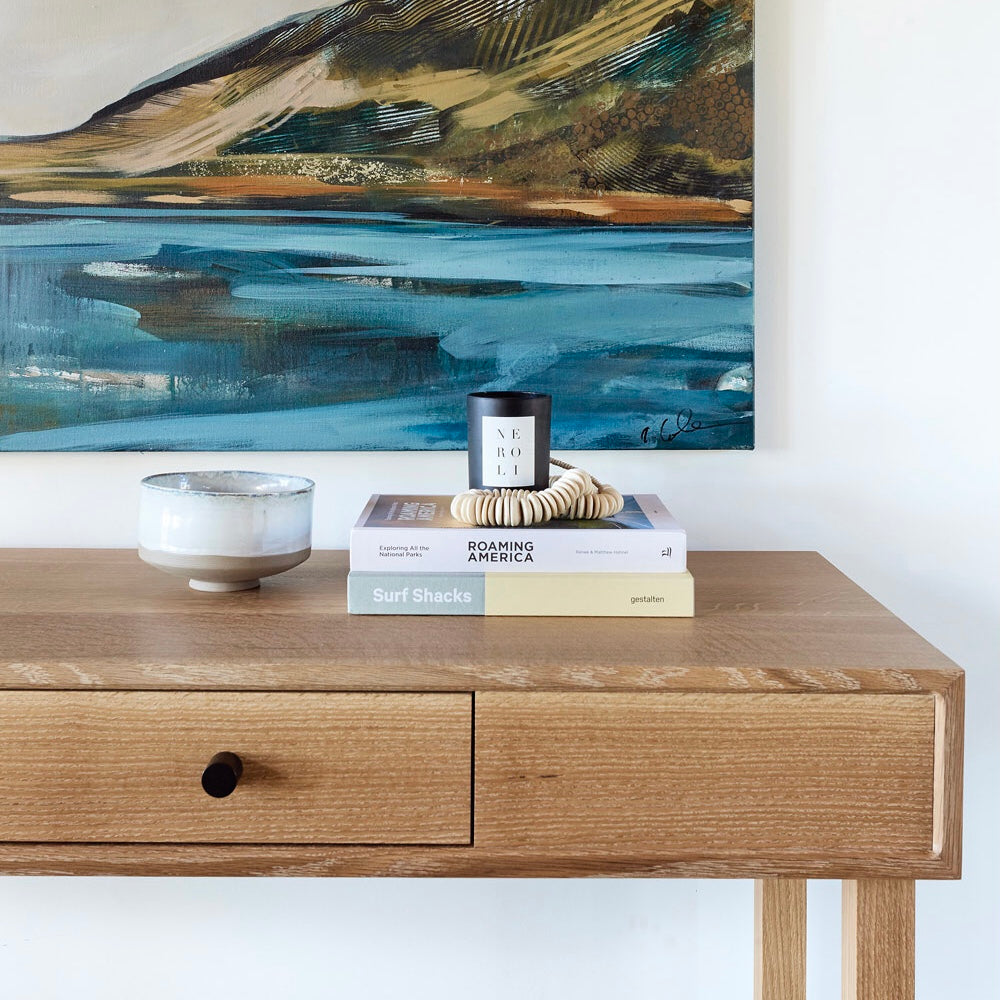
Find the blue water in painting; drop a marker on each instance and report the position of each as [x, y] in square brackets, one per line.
[214, 330]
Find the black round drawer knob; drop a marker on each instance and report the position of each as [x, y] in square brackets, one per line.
[222, 775]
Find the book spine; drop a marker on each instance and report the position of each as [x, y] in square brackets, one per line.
[632, 595]
[496, 550]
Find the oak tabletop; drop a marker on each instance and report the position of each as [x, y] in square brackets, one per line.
[764, 622]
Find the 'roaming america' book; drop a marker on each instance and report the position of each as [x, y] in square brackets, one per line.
[417, 534]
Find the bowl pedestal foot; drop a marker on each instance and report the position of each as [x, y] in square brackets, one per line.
[215, 587]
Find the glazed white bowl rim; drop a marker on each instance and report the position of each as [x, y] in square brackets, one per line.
[294, 484]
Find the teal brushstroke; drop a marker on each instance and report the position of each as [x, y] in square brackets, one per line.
[144, 330]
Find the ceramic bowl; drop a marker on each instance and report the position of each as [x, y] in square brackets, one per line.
[225, 530]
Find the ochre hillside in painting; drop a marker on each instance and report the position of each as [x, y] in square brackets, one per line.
[603, 111]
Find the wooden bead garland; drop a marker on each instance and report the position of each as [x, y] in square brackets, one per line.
[574, 494]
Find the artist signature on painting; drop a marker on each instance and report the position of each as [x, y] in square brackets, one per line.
[682, 423]
[672, 428]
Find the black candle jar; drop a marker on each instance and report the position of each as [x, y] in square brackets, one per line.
[509, 440]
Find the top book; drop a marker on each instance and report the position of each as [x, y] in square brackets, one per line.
[413, 534]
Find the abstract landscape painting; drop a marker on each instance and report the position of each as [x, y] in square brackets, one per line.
[324, 235]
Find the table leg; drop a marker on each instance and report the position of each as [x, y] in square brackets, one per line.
[878, 939]
[780, 939]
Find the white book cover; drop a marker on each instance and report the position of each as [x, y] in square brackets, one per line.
[408, 534]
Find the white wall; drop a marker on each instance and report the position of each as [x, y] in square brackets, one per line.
[878, 219]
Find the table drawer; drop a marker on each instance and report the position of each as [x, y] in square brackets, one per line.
[724, 775]
[317, 767]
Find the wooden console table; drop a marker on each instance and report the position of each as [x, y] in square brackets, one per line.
[794, 729]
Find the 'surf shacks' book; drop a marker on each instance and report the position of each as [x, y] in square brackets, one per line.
[640, 595]
[417, 534]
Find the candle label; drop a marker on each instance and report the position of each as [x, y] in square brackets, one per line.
[508, 451]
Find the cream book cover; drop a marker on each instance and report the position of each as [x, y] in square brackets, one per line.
[601, 595]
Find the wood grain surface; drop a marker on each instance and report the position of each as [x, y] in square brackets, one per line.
[878, 939]
[723, 774]
[794, 728]
[305, 860]
[317, 768]
[765, 621]
[949, 750]
[779, 932]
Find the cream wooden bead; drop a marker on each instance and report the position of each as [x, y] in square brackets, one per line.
[574, 494]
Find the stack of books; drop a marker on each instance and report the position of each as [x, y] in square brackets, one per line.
[409, 556]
